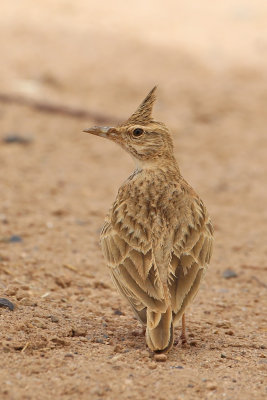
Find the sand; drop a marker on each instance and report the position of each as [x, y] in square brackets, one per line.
[71, 335]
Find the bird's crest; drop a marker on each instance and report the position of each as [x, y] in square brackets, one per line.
[143, 114]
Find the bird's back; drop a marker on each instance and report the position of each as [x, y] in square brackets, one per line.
[157, 242]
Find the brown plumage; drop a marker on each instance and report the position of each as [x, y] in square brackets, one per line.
[157, 237]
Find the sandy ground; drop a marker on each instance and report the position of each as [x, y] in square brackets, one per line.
[71, 336]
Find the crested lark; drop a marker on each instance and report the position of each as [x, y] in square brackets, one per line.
[157, 238]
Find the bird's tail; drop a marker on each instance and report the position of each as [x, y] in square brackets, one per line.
[159, 331]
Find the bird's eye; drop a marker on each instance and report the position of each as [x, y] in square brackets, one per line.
[138, 132]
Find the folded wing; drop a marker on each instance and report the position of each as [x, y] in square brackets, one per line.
[191, 254]
[133, 269]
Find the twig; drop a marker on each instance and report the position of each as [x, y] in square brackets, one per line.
[51, 108]
[259, 281]
[71, 267]
[255, 267]
[25, 347]
[6, 271]
[45, 295]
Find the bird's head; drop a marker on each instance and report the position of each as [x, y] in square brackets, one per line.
[147, 141]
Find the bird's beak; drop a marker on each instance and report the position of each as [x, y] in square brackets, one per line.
[103, 131]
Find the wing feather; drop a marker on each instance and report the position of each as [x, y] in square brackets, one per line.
[133, 269]
[129, 283]
[191, 255]
[128, 250]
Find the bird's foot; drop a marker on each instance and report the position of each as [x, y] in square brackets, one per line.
[184, 342]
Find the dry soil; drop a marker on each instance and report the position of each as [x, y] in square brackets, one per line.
[71, 336]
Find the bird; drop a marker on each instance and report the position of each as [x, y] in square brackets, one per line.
[157, 238]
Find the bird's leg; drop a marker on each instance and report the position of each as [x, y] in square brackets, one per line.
[183, 335]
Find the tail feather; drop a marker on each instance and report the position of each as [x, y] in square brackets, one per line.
[159, 331]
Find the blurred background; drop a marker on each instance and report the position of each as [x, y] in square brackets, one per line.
[66, 65]
[97, 60]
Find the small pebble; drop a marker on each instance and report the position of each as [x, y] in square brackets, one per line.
[15, 239]
[63, 282]
[177, 367]
[144, 353]
[25, 301]
[53, 318]
[117, 348]
[211, 386]
[116, 358]
[25, 287]
[59, 212]
[39, 323]
[100, 285]
[138, 333]
[223, 324]
[118, 312]
[97, 340]
[223, 355]
[60, 341]
[3, 219]
[152, 366]
[78, 332]
[222, 290]
[229, 273]
[160, 357]
[16, 138]
[21, 294]
[212, 347]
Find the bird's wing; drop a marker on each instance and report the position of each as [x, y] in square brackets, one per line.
[192, 250]
[129, 255]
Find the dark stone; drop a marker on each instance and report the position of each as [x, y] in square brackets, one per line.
[70, 355]
[6, 303]
[15, 239]
[16, 138]
[118, 312]
[229, 273]
[54, 319]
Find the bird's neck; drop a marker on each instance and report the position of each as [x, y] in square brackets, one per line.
[168, 164]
